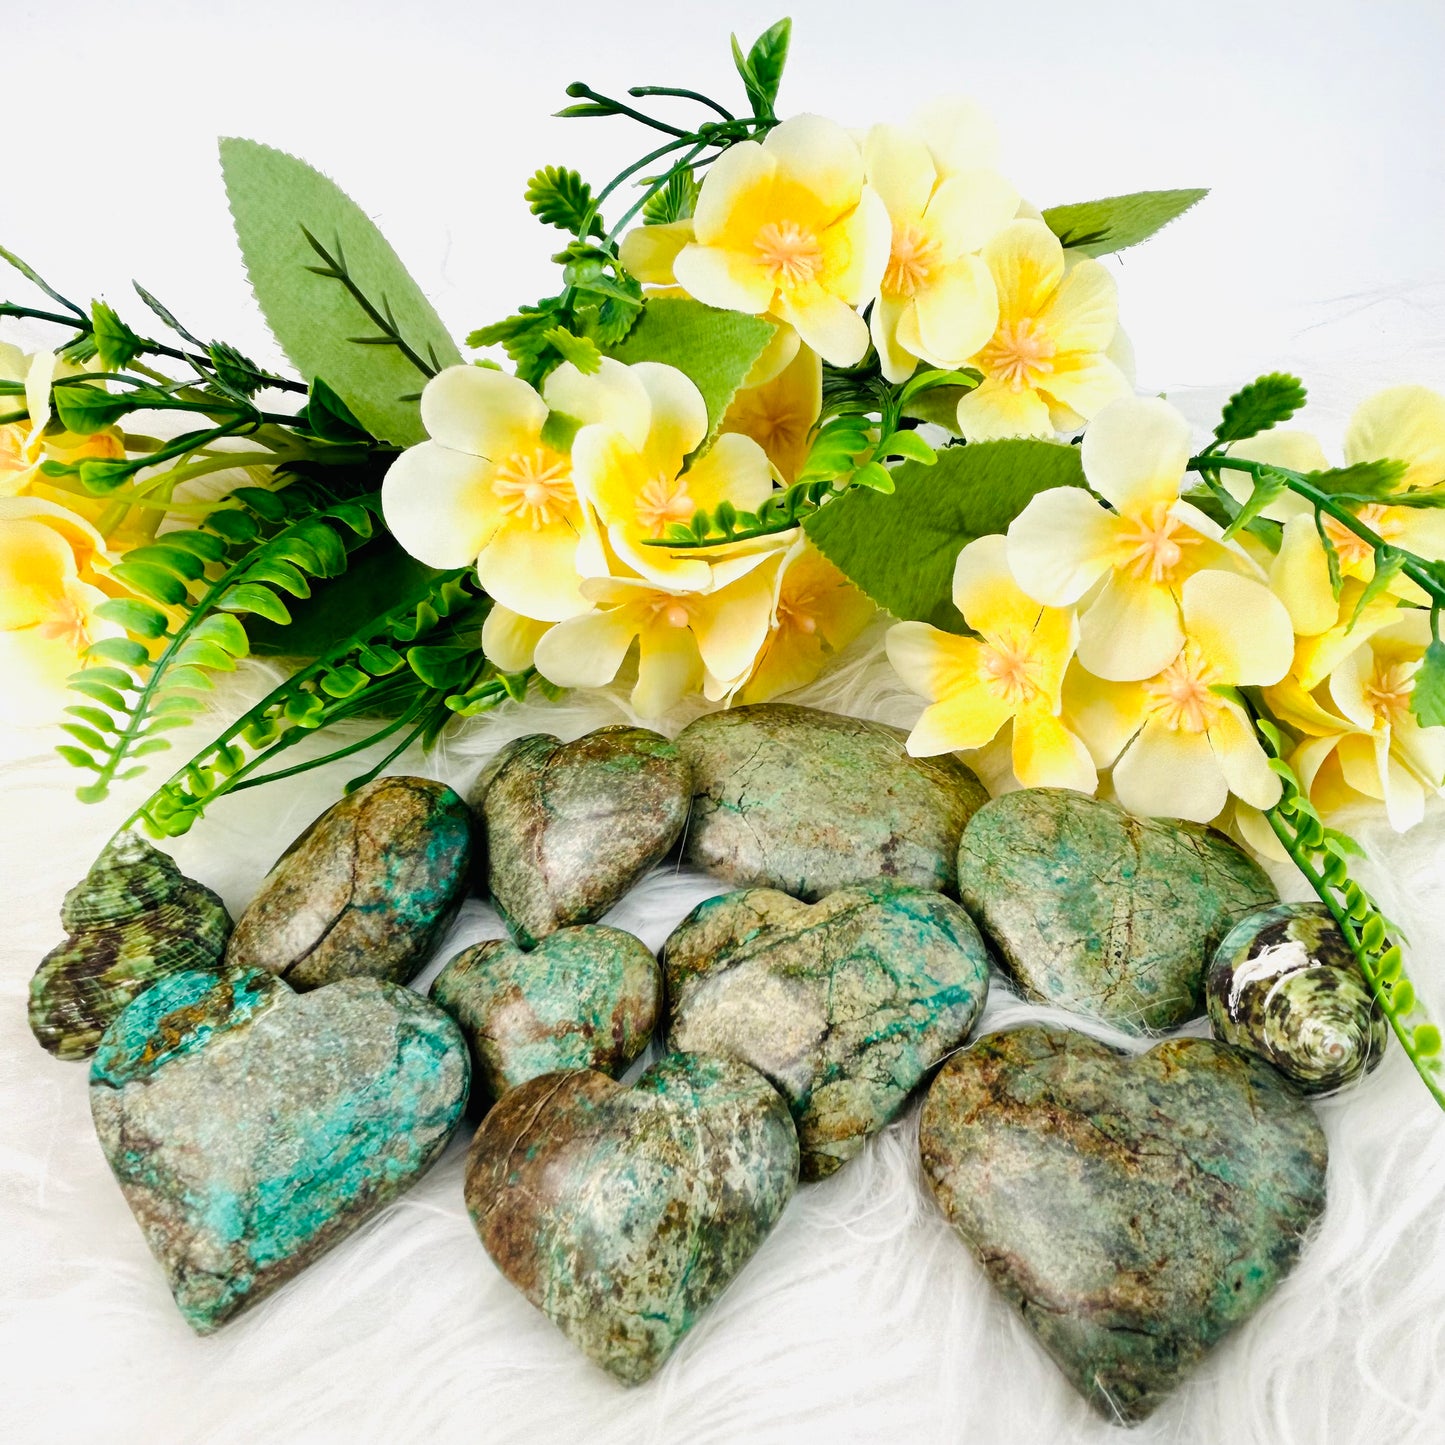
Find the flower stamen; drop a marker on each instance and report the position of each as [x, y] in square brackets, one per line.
[535, 486]
[661, 502]
[911, 262]
[1020, 354]
[1181, 696]
[1010, 671]
[791, 254]
[1155, 546]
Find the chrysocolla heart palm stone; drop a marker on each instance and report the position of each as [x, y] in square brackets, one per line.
[1134, 1209]
[570, 827]
[584, 998]
[806, 801]
[1101, 912]
[621, 1213]
[845, 1005]
[252, 1127]
[365, 891]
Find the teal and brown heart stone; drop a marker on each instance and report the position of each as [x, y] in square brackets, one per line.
[252, 1127]
[806, 801]
[1133, 1209]
[1099, 911]
[622, 1213]
[845, 1005]
[570, 827]
[583, 998]
[365, 891]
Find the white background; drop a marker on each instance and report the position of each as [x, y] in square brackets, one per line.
[1319, 126]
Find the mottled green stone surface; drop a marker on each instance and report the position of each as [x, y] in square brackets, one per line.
[252, 1127]
[806, 801]
[1101, 912]
[844, 1005]
[570, 827]
[365, 891]
[133, 919]
[622, 1214]
[1285, 984]
[1133, 1209]
[584, 998]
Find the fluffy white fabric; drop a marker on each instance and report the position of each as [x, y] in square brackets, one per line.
[862, 1318]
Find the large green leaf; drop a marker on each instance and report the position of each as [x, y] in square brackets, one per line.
[900, 547]
[275, 201]
[1099, 227]
[716, 349]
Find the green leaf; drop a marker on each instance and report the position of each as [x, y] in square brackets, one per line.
[179, 560]
[249, 597]
[86, 410]
[1099, 227]
[559, 197]
[115, 343]
[581, 351]
[1427, 697]
[1269, 484]
[275, 200]
[1389, 561]
[151, 581]
[1363, 479]
[674, 202]
[77, 757]
[234, 371]
[328, 417]
[115, 649]
[92, 687]
[137, 617]
[716, 349]
[1263, 404]
[901, 549]
[762, 68]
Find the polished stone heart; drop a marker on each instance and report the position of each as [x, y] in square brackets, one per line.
[252, 1127]
[845, 1005]
[1101, 912]
[1134, 1209]
[584, 998]
[807, 801]
[622, 1214]
[570, 827]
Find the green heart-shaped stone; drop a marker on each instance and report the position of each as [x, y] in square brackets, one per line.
[252, 1127]
[623, 1213]
[1133, 1208]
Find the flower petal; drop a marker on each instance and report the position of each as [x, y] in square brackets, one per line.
[969, 209]
[736, 182]
[487, 413]
[1404, 797]
[510, 640]
[1406, 423]
[1082, 313]
[1130, 631]
[900, 169]
[1080, 386]
[1027, 262]
[1061, 544]
[931, 662]
[995, 411]
[829, 325]
[439, 504]
[819, 155]
[1241, 758]
[956, 313]
[648, 252]
[1297, 450]
[729, 280]
[679, 416]
[1047, 755]
[735, 469]
[732, 623]
[855, 250]
[1347, 686]
[1300, 577]
[1239, 626]
[533, 572]
[668, 668]
[985, 591]
[965, 719]
[588, 651]
[960, 134]
[35, 564]
[613, 395]
[1168, 774]
[896, 361]
[1135, 452]
[1104, 714]
[775, 357]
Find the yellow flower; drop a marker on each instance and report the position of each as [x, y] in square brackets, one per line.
[1045, 367]
[1362, 742]
[1406, 424]
[937, 300]
[816, 611]
[1013, 670]
[510, 640]
[789, 227]
[486, 489]
[629, 463]
[648, 252]
[1063, 543]
[686, 640]
[1181, 747]
[48, 599]
[780, 413]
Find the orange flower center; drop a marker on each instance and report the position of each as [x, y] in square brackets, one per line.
[791, 254]
[14, 450]
[796, 611]
[671, 612]
[1180, 696]
[535, 487]
[1020, 354]
[1354, 552]
[68, 626]
[912, 260]
[1155, 542]
[1388, 690]
[661, 502]
[1010, 670]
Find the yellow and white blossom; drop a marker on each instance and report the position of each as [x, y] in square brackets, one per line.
[1063, 544]
[1046, 367]
[1179, 747]
[937, 300]
[630, 464]
[789, 227]
[1361, 741]
[1013, 670]
[48, 597]
[686, 640]
[816, 612]
[780, 412]
[486, 489]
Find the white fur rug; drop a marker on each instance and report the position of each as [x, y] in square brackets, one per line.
[861, 1319]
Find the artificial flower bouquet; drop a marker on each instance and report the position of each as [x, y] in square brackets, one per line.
[794, 374]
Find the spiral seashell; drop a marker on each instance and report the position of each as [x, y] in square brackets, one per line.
[134, 918]
[1284, 984]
